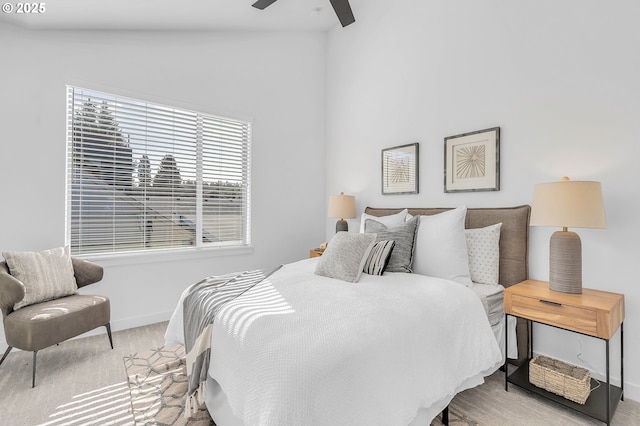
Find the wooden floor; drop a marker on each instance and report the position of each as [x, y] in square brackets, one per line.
[489, 404]
[83, 381]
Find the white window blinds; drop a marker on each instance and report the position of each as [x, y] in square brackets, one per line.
[142, 176]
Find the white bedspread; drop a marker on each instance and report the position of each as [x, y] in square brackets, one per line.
[300, 349]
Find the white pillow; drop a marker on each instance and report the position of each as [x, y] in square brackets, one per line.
[441, 247]
[390, 220]
[483, 245]
[345, 256]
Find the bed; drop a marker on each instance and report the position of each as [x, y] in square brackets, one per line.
[303, 348]
[514, 248]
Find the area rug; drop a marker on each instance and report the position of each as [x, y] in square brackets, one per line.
[158, 384]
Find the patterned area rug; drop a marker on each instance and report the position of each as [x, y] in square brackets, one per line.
[158, 384]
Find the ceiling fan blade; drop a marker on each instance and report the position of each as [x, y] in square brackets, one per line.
[262, 4]
[343, 10]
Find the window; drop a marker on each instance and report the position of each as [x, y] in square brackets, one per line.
[143, 176]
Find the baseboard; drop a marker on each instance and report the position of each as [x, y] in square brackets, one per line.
[140, 321]
[631, 390]
[117, 325]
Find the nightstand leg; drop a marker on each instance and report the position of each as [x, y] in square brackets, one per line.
[622, 361]
[608, 388]
[530, 328]
[506, 352]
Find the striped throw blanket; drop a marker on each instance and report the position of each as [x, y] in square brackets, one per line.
[200, 306]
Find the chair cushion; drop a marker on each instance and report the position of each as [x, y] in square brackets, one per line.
[46, 274]
[38, 326]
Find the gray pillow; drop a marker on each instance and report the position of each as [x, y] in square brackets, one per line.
[404, 235]
[46, 274]
[345, 256]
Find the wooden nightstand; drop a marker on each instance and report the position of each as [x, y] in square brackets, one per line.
[316, 252]
[593, 313]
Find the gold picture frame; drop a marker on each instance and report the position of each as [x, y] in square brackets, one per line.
[400, 169]
[472, 161]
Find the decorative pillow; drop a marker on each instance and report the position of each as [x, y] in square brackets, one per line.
[441, 247]
[390, 220]
[46, 274]
[404, 235]
[378, 258]
[483, 246]
[345, 256]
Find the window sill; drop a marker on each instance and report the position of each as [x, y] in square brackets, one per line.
[169, 255]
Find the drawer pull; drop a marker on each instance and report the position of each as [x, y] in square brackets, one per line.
[550, 303]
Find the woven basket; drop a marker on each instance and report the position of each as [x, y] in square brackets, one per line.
[566, 380]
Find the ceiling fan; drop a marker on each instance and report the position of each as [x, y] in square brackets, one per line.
[341, 7]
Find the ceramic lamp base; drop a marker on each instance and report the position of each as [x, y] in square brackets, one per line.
[565, 262]
[342, 225]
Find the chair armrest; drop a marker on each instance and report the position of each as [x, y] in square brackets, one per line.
[11, 290]
[86, 272]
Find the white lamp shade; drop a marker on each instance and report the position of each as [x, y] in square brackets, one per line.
[570, 204]
[342, 206]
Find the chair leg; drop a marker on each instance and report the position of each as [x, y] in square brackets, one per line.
[5, 354]
[33, 377]
[33, 380]
[108, 327]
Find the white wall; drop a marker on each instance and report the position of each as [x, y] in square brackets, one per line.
[561, 81]
[277, 80]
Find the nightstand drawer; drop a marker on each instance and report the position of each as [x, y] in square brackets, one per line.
[565, 316]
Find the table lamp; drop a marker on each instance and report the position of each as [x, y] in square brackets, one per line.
[567, 204]
[343, 207]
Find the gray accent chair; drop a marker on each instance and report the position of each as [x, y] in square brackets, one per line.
[45, 324]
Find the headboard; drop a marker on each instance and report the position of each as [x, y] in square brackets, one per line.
[514, 234]
[514, 245]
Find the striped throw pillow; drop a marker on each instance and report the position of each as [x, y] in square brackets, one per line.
[379, 257]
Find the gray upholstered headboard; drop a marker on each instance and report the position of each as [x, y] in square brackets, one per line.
[514, 234]
[514, 244]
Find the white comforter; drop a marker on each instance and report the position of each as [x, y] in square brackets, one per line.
[300, 349]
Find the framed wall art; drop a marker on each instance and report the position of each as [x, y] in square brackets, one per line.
[472, 161]
[400, 169]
